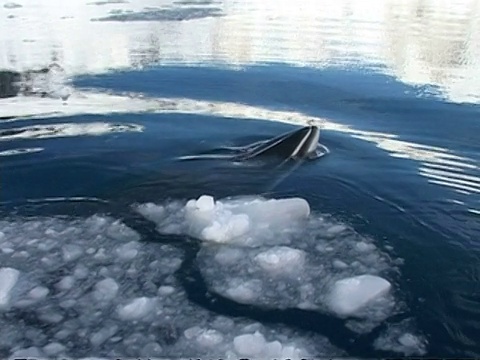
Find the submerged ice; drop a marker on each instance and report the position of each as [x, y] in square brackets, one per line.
[89, 287]
[275, 253]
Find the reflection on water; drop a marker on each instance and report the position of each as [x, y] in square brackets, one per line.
[439, 165]
[431, 45]
[419, 42]
[66, 130]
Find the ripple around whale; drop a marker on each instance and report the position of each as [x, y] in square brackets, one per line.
[297, 145]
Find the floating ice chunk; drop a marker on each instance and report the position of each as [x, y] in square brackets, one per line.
[339, 264]
[272, 211]
[228, 255]
[151, 211]
[103, 335]
[205, 203]
[166, 290]
[352, 294]
[209, 338]
[66, 283]
[136, 309]
[249, 344]
[28, 353]
[127, 251]
[80, 272]
[71, 252]
[105, 290]
[223, 323]
[101, 255]
[53, 349]
[274, 349]
[51, 317]
[222, 232]
[192, 332]
[399, 339]
[291, 352]
[8, 279]
[281, 259]
[336, 229]
[364, 246]
[244, 292]
[409, 340]
[152, 350]
[38, 293]
[238, 220]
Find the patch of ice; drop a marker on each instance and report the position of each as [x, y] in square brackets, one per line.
[244, 292]
[99, 337]
[105, 290]
[136, 309]
[38, 293]
[81, 272]
[28, 353]
[281, 259]
[71, 252]
[53, 349]
[400, 338]
[209, 338]
[350, 295]
[127, 251]
[249, 344]
[152, 350]
[228, 255]
[166, 290]
[66, 283]
[275, 253]
[339, 264]
[147, 313]
[8, 279]
[238, 220]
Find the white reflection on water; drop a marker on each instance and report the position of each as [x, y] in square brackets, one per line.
[440, 165]
[20, 151]
[421, 42]
[66, 130]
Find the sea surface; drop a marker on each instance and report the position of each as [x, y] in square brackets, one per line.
[92, 190]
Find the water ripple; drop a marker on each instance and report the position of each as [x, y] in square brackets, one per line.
[439, 165]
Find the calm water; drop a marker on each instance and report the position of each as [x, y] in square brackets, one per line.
[393, 85]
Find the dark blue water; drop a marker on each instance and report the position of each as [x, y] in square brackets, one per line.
[405, 196]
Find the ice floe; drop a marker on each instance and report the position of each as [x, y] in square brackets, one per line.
[275, 253]
[349, 295]
[402, 338]
[8, 279]
[88, 287]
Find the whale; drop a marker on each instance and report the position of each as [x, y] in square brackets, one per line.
[297, 145]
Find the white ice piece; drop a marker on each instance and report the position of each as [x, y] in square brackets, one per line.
[352, 294]
[8, 279]
[136, 309]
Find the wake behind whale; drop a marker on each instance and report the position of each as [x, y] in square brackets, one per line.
[297, 145]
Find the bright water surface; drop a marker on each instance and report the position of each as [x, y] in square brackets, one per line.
[394, 86]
